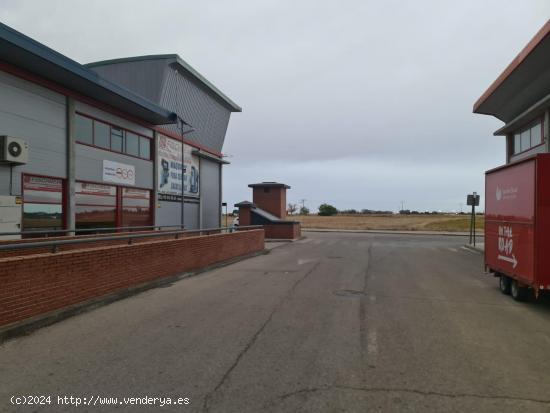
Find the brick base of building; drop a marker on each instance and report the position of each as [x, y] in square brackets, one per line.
[37, 284]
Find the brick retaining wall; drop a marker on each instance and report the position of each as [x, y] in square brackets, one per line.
[290, 230]
[36, 284]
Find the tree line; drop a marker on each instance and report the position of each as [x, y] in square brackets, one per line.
[329, 210]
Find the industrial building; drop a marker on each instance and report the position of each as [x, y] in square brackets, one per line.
[520, 97]
[126, 142]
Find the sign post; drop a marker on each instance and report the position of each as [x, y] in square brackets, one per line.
[473, 200]
[224, 204]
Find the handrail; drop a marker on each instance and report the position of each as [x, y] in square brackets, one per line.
[74, 231]
[55, 243]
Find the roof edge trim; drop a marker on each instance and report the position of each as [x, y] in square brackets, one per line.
[526, 51]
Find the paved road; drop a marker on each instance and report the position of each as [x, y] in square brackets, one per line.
[332, 323]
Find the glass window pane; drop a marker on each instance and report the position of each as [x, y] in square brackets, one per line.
[536, 134]
[40, 216]
[95, 217]
[116, 139]
[84, 131]
[132, 144]
[525, 140]
[517, 143]
[102, 134]
[136, 207]
[144, 148]
[136, 217]
[87, 199]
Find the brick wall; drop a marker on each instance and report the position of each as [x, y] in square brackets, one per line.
[292, 230]
[273, 201]
[244, 216]
[36, 284]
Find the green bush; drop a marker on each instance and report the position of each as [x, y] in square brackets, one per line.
[327, 210]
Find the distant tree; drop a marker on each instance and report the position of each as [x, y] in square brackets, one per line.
[304, 211]
[405, 212]
[292, 208]
[327, 210]
[348, 211]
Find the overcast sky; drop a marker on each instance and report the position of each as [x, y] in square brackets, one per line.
[362, 104]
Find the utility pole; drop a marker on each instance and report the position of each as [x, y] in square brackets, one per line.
[303, 201]
[402, 205]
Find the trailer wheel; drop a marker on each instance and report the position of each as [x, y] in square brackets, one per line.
[518, 293]
[504, 284]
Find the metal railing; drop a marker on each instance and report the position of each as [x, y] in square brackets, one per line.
[78, 231]
[54, 244]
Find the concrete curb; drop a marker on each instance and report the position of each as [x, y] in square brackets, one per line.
[29, 325]
[375, 231]
[475, 249]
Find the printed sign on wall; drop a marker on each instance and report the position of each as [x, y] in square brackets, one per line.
[119, 173]
[169, 158]
[169, 154]
[192, 187]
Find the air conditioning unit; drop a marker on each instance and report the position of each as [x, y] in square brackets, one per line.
[13, 150]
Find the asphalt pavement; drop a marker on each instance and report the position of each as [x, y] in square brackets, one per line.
[335, 322]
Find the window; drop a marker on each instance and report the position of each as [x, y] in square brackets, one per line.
[536, 134]
[144, 148]
[517, 143]
[117, 138]
[528, 138]
[95, 205]
[132, 144]
[136, 207]
[525, 140]
[84, 130]
[42, 203]
[102, 134]
[113, 138]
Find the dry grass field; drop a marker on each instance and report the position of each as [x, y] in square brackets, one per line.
[442, 222]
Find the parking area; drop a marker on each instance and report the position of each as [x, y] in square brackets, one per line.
[333, 322]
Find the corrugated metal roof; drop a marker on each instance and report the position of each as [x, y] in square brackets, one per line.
[25, 53]
[180, 63]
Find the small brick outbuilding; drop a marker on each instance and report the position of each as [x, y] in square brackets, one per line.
[268, 208]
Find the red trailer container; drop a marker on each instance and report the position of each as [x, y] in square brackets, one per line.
[517, 225]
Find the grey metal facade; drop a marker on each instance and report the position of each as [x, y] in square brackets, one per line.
[171, 84]
[210, 201]
[37, 115]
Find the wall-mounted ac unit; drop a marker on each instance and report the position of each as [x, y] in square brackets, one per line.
[13, 150]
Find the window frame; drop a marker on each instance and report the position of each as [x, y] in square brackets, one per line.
[119, 205]
[528, 127]
[124, 131]
[63, 202]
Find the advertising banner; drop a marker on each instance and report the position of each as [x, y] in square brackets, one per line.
[169, 158]
[192, 187]
[119, 173]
